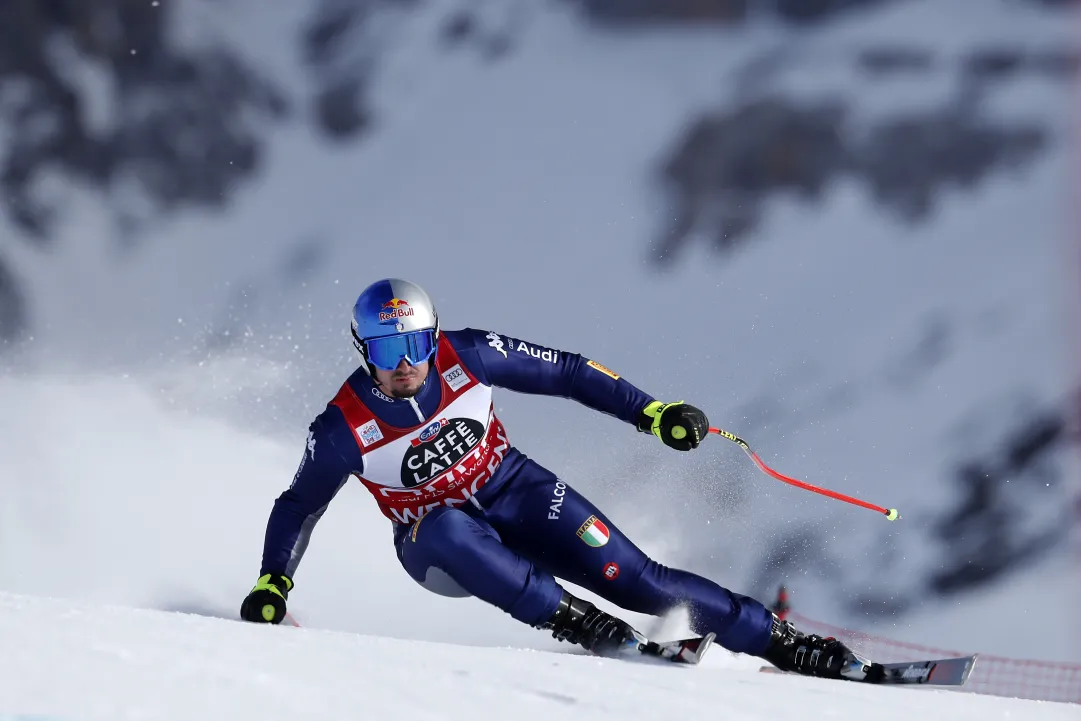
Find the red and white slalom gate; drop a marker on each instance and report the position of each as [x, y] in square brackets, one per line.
[993, 675]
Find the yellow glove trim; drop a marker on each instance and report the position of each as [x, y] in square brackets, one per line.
[264, 584]
[655, 410]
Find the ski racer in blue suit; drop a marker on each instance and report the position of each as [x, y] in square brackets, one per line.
[472, 515]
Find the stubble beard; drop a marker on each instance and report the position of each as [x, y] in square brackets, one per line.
[402, 393]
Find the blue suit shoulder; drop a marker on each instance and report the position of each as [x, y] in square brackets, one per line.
[525, 366]
[465, 343]
[331, 429]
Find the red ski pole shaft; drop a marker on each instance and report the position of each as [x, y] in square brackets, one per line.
[889, 513]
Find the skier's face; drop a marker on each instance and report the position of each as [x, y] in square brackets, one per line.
[404, 381]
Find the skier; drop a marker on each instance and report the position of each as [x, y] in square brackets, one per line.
[473, 516]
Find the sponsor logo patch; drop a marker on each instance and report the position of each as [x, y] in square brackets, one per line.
[496, 342]
[556, 506]
[455, 377]
[369, 433]
[394, 308]
[594, 532]
[450, 488]
[439, 446]
[611, 570]
[914, 672]
[597, 366]
[429, 432]
[544, 354]
[380, 395]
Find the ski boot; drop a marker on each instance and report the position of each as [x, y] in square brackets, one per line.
[582, 623]
[791, 650]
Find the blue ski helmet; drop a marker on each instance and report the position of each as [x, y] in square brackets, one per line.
[394, 320]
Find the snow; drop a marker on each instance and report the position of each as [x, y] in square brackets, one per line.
[139, 462]
[80, 662]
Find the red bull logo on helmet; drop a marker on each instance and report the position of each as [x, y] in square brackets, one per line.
[393, 309]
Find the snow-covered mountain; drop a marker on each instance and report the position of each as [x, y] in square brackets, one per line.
[919, 352]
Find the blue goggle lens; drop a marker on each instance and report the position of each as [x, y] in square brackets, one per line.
[386, 353]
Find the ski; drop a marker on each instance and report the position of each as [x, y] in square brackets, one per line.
[686, 651]
[934, 672]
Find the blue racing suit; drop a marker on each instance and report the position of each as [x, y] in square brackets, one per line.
[507, 542]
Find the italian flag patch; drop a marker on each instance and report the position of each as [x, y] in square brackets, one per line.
[593, 532]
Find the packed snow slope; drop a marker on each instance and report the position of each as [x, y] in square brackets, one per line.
[67, 661]
[163, 401]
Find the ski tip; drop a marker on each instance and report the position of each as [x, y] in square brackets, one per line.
[686, 651]
[969, 668]
[693, 653]
[952, 671]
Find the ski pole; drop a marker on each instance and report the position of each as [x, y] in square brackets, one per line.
[889, 513]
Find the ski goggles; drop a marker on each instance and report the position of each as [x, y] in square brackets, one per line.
[387, 352]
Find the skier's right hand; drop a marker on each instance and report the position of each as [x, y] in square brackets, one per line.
[266, 601]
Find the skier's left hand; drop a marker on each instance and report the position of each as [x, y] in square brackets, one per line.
[678, 425]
